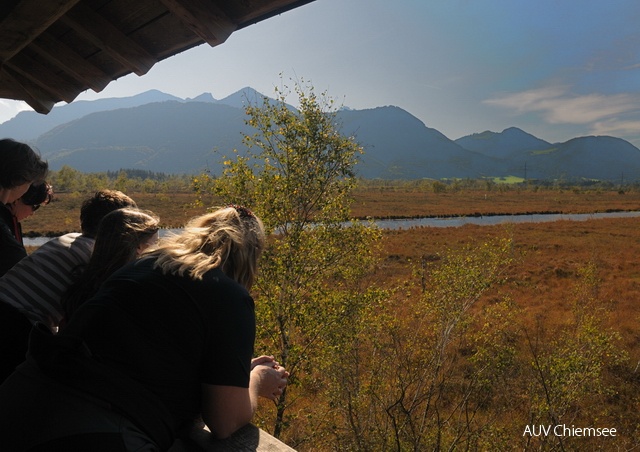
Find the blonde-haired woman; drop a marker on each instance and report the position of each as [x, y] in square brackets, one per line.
[166, 340]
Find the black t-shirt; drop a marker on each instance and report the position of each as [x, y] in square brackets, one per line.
[170, 333]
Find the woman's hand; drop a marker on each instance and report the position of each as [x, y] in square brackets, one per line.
[227, 408]
[269, 379]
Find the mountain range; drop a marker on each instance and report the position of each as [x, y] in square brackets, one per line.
[159, 132]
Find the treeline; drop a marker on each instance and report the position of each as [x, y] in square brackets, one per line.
[140, 174]
[70, 180]
[499, 184]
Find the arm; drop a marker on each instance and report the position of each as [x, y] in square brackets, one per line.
[225, 409]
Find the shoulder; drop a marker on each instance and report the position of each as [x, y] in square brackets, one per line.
[73, 238]
[60, 255]
[217, 279]
[67, 242]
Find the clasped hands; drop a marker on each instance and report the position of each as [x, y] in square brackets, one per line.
[272, 377]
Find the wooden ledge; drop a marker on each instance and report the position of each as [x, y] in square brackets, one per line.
[248, 438]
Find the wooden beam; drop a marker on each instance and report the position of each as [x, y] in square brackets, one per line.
[37, 99]
[204, 18]
[26, 21]
[259, 11]
[32, 70]
[103, 34]
[65, 58]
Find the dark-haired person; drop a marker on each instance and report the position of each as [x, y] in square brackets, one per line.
[20, 166]
[32, 289]
[38, 194]
[122, 236]
[166, 340]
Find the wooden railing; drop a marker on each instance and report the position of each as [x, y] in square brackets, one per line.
[248, 438]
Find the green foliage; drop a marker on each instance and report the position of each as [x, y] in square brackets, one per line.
[67, 179]
[438, 187]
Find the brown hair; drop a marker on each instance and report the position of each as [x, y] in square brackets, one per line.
[94, 209]
[20, 164]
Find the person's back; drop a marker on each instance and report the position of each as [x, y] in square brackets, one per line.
[166, 325]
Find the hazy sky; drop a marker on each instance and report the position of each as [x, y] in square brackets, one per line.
[555, 68]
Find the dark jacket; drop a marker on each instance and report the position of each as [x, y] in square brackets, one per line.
[11, 250]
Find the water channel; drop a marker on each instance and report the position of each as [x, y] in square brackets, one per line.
[452, 222]
[492, 220]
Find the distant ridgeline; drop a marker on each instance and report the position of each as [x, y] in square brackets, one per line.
[159, 133]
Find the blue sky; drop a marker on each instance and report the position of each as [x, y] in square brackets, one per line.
[555, 68]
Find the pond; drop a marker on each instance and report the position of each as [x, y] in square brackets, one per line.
[451, 222]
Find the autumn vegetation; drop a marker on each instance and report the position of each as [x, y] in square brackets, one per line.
[423, 338]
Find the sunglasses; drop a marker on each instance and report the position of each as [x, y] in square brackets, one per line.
[242, 211]
[35, 207]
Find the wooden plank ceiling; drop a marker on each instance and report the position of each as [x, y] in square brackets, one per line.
[52, 50]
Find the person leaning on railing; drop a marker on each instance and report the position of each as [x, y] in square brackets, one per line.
[166, 341]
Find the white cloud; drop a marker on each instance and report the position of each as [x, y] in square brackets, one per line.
[614, 127]
[530, 100]
[10, 108]
[557, 106]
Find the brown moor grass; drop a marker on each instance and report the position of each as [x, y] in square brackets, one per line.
[543, 277]
[389, 202]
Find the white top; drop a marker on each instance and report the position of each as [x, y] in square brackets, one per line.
[35, 285]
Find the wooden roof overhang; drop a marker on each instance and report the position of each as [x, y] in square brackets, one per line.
[52, 50]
